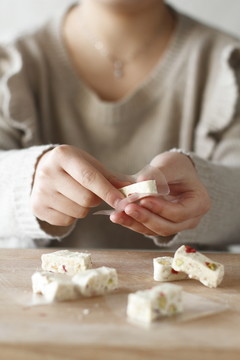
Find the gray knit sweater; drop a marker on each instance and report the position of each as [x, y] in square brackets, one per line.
[189, 101]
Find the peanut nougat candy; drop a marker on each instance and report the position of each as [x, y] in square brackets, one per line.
[142, 187]
[163, 271]
[198, 266]
[96, 282]
[54, 287]
[148, 305]
[64, 261]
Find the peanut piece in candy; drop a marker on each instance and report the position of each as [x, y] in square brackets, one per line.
[163, 271]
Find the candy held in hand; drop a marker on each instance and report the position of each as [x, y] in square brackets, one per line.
[136, 192]
[150, 181]
[143, 187]
[133, 193]
[148, 305]
[64, 261]
[198, 266]
[163, 271]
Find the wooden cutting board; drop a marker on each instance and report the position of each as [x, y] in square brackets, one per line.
[97, 328]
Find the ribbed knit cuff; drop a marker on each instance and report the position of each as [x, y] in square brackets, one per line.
[28, 225]
[162, 241]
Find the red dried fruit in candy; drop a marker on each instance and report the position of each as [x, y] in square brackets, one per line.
[189, 249]
[64, 268]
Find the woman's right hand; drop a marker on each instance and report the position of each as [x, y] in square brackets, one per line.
[67, 183]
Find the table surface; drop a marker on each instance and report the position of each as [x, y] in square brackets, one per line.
[97, 328]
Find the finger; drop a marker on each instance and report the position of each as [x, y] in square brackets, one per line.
[182, 209]
[56, 202]
[92, 179]
[126, 221]
[154, 173]
[157, 224]
[56, 218]
[74, 191]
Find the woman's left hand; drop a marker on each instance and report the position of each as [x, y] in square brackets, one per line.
[184, 207]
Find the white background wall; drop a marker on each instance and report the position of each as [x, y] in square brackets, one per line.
[17, 15]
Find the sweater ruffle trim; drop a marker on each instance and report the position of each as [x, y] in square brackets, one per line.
[222, 102]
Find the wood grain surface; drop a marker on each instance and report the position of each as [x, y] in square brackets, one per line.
[97, 328]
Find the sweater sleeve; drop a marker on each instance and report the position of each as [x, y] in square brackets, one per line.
[20, 149]
[217, 158]
[18, 226]
[220, 226]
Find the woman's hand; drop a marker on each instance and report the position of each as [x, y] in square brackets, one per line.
[67, 183]
[182, 209]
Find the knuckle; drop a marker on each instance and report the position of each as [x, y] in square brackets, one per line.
[42, 173]
[109, 197]
[60, 151]
[65, 221]
[88, 177]
[40, 211]
[88, 199]
[95, 202]
[59, 155]
[76, 211]
[82, 213]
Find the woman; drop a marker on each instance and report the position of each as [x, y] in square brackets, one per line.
[123, 84]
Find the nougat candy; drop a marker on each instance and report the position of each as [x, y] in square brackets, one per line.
[97, 281]
[54, 287]
[163, 271]
[198, 266]
[148, 305]
[64, 261]
[142, 187]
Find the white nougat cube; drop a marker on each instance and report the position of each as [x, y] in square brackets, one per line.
[142, 187]
[163, 271]
[148, 305]
[54, 287]
[198, 266]
[64, 261]
[96, 281]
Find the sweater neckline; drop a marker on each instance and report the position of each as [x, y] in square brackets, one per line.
[136, 101]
